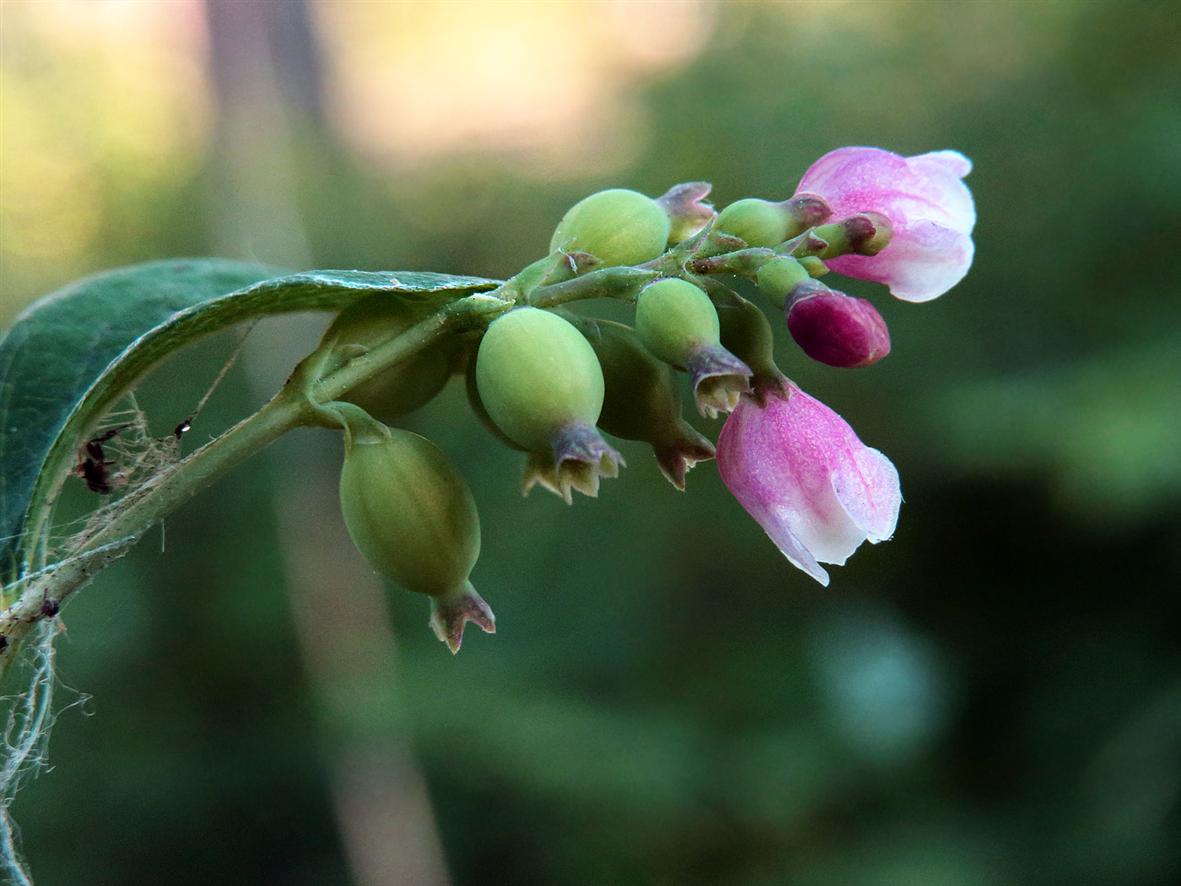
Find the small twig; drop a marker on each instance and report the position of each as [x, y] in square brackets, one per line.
[290, 408]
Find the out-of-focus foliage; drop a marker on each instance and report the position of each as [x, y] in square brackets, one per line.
[992, 697]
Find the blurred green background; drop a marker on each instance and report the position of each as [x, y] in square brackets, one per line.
[993, 697]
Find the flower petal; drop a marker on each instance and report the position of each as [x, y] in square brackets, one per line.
[928, 186]
[921, 264]
[867, 488]
[799, 470]
[792, 548]
[953, 162]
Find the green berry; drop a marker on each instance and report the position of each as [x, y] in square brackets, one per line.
[677, 323]
[619, 227]
[674, 318]
[413, 518]
[409, 511]
[778, 277]
[757, 222]
[747, 334]
[402, 388]
[535, 374]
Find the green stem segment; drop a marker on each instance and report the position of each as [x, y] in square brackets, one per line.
[40, 595]
[622, 283]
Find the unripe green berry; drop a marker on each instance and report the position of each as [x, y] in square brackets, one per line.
[472, 388]
[757, 222]
[618, 226]
[536, 373]
[413, 518]
[779, 277]
[402, 388]
[677, 323]
[674, 317]
[409, 511]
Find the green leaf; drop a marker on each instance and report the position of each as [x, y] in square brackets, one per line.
[70, 357]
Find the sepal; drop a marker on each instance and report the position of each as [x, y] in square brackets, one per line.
[574, 462]
[719, 379]
[686, 212]
[643, 401]
[450, 614]
[682, 451]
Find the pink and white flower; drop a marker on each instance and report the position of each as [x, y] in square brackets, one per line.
[802, 473]
[930, 208]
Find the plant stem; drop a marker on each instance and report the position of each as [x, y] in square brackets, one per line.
[42, 593]
[621, 283]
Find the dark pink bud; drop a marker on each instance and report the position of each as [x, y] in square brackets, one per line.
[835, 328]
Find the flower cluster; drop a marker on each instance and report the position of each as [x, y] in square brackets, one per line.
[549, 382]
[794, 464]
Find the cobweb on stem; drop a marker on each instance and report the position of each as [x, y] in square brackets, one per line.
[128, 461]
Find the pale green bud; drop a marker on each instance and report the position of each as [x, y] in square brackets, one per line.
[413, 518]
[678, 324]
[540, 383]
[765, 224]
[866, 233]
[757, 222]
[399, 389]
[778, 278]
[619, 227]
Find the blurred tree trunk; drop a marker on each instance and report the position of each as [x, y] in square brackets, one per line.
[266, 74]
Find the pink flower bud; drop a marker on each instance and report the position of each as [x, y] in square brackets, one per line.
[929, 208]
[800, 471]
[835, 328]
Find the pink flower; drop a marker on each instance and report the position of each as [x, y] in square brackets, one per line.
[800, 471]
[930, 209]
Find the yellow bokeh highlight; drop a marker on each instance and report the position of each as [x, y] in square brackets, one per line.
[545, 85]
[101, 102]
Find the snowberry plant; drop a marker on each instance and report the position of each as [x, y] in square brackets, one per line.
[549, 382]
